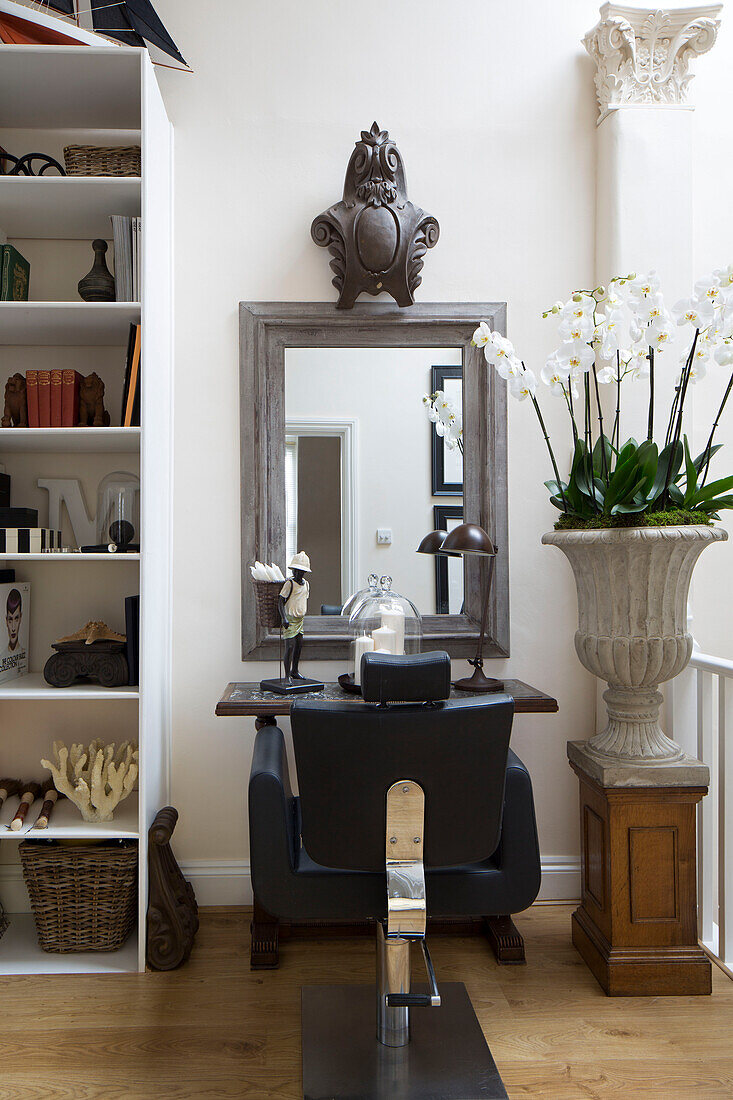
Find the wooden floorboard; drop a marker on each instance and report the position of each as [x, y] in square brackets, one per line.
[215, 1029]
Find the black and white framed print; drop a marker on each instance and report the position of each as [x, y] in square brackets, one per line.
[448, 571]
[447, 464]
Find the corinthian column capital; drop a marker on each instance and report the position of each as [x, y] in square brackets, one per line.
[642, 55]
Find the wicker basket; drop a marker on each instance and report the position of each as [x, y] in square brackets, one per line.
[266, 594]
[95, 160]
[83, 898]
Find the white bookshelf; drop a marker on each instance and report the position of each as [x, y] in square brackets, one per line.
[71, 441]
[66, 207]
[61, 94]
[71, 324]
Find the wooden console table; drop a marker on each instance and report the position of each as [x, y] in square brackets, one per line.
[246, 700]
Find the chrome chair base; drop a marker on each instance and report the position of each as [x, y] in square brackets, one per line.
[446, 1059]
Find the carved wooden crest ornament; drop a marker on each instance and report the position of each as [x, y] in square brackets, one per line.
[377, 237]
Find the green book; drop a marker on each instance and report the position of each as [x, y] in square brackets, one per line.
[15, 273]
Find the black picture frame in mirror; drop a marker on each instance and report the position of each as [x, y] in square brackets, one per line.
[439, 375]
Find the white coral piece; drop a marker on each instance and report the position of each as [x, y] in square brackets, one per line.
[96, 779]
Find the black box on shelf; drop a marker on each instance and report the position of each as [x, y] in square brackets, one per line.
[4, 490]
[7, 576]
[18, 517]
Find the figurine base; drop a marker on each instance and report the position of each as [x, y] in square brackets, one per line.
[283, 686]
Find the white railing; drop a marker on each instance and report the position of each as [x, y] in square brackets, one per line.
[702, 701]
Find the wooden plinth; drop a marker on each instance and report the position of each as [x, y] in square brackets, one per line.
[636, 927]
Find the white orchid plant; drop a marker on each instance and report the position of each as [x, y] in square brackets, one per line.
[448, 420]
[610, 337]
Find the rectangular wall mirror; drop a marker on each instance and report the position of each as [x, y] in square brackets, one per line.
[340, 459]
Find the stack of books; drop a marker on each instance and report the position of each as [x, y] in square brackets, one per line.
[53, 398]
[130, 413]
[127, 239]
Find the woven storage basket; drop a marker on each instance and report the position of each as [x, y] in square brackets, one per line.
[83, 899]
[95, 160]
[266, 594]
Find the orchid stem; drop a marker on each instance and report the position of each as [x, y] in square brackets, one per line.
[549, 448]
[650, 428]
[706, 461]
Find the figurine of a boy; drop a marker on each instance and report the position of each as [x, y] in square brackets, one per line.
[293, 605]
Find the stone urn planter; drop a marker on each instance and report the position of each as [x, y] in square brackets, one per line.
[632, 587]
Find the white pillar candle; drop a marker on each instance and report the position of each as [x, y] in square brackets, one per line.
[385, 638]
[362, 644]
[394, 618]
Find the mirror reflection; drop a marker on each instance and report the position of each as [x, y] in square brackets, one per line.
[368, 474]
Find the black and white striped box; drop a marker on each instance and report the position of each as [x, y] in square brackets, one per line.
[28, 540]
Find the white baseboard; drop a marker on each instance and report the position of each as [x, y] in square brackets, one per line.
[228, 882]
[560, 879]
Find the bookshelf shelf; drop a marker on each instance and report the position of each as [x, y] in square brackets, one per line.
[70, 324]
[54, 559]
[60, 92]
[69, 441]
[20, 954]
[67, 824]
[33, 686]
[65, 207]
[47, 88]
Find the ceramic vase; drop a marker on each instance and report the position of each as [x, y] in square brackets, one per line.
[632, 632]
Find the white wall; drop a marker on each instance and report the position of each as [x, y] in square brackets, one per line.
[382, 390]
[492, 106]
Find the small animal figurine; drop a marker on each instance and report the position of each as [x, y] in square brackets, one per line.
[92, 412]
[15, 412]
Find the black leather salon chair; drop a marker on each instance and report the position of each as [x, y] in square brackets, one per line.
[409, 804]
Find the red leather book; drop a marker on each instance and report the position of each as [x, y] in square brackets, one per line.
[70, 385]
[31, 390]
[44, 399]
[56, 377]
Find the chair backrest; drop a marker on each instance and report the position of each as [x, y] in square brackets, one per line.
[348, 754]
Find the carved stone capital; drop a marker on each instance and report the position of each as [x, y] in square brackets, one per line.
[642, 55]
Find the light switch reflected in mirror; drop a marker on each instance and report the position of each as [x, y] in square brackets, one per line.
[360, 457]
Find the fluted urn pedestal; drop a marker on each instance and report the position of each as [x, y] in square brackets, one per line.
[632, 632]
[636, 925]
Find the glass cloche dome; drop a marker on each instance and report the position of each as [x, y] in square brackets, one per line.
[372, 589]
[118, 511]
[383, 622]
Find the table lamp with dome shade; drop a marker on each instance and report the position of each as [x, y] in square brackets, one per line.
[469, 538]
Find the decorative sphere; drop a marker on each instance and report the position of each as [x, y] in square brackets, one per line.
[121, 532]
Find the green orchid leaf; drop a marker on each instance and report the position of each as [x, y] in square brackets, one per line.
[697, 462]
[712, 489]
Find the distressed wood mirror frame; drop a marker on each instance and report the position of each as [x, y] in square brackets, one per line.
[267, 329]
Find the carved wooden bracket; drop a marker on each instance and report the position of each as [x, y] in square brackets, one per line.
[377, 237]
[173, 917]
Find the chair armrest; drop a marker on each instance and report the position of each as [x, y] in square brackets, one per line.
[519, 847]
[272, 828]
